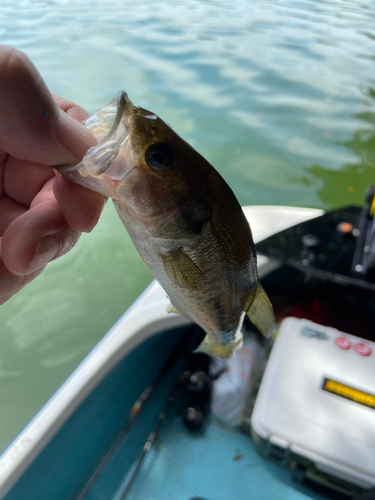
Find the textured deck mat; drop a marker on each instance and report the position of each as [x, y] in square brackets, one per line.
[219, 465]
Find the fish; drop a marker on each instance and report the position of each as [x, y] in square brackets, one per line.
[183, 219]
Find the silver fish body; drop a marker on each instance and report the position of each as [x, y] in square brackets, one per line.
[183, 218]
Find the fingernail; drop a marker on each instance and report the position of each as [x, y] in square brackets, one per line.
[99, 212]
[46, 250]
[73, 136]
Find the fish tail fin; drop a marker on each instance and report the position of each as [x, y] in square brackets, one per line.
[258, 307]
[220, 350]
[171, 309]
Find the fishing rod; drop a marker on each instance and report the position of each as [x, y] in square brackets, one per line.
[126, 484]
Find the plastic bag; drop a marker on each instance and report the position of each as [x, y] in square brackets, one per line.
[233, 381]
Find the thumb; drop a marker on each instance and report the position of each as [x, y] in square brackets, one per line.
[32, 127]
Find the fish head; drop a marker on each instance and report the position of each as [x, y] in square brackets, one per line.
[140, 161]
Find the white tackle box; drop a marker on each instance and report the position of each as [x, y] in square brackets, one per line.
[316, 404]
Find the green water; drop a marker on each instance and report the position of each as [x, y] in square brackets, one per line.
[279, 96]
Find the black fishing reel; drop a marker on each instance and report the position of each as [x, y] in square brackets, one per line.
[198, 390]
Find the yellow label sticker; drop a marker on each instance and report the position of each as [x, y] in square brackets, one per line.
[347, 392]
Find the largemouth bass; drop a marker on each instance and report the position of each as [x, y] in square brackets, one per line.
[183, 218]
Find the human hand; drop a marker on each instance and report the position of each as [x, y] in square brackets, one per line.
[42, 214]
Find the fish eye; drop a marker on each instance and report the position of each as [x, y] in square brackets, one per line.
[159, 157]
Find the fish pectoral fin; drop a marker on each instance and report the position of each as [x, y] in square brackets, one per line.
[182, 271]
[171, 309]
[258, 307]
[220, 350]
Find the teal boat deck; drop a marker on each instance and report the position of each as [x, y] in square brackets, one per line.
[221, 464]
[99, 453]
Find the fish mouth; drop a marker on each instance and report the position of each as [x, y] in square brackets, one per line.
[112, 159]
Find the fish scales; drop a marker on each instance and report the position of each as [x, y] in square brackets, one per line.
[182, 217]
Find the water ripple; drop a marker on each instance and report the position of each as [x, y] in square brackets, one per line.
[279, 96]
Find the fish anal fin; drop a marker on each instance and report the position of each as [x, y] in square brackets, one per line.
[220, 350]
[171, 309]
[182, 271]
[258, 307]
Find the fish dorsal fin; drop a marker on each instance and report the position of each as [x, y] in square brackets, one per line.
[182, 271]
[258, 307]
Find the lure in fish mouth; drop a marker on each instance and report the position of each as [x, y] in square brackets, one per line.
[183, 219]
[111, 159]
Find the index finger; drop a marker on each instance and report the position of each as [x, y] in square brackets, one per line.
[23, 179]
